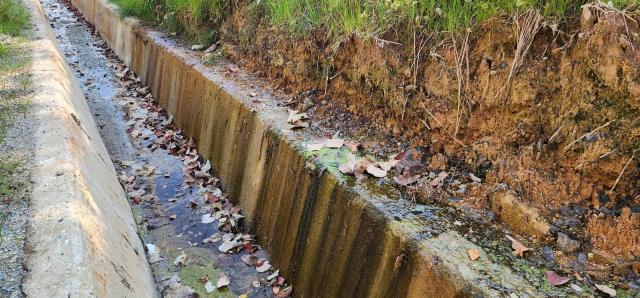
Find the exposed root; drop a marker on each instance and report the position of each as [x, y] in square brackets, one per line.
[527, 30]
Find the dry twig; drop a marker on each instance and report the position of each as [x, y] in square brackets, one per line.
[441, 125]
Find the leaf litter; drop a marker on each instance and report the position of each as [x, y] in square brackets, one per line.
[154, 128]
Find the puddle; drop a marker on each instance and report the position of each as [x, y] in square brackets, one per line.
[168, 205]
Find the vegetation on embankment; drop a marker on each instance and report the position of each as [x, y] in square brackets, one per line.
[201, 19]
[14, 82]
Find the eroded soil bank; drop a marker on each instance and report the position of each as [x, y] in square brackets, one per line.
[550, 116]
[193, 235]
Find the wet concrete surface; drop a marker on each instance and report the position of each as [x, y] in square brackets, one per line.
[168, 205]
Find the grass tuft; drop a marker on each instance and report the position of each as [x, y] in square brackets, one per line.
[201, 19]
[13, 18]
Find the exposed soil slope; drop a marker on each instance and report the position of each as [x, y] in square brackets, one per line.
[560, 128]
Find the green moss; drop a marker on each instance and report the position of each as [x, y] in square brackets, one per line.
[191, 275]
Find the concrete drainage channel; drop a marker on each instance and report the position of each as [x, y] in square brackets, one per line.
[327, 235]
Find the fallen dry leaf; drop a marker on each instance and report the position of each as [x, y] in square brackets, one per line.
[223, 281]
[249, 259]
[405, 179]
[518, 247]
[263, 267]
[388, 165]
[207, 218]
[438, 180]
[347, 168]
[410, 162]
[334, 143]
[473, 254]
[295, 116]
[212, 239]
[179, 261]
[352, 145]
[315, 147]
[556, 279]
[228, 245]
[376, 172]
[208, 287]
[285, 293]
[607, 290]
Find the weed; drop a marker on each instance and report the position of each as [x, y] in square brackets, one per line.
[201, 19]
[7, 169]
[13, 17]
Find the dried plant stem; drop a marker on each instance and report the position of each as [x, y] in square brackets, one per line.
[587, 134]
[441, 125]
[531, 24]
[622, 172]
[461, 57]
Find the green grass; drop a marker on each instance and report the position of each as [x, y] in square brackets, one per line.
[200, 19]
[13, 17]
[15, 83]
[7, 169]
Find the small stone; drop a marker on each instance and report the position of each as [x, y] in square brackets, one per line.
[566, 244]
[582, 257]
[548, 253]
[576, 288]
[418, 209]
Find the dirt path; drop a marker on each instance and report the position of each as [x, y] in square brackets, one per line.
[192, 233]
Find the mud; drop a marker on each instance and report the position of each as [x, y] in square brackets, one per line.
[168, 206]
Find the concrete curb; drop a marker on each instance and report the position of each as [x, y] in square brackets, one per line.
[82, 235]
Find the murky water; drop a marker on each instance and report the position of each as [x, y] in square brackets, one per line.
[168, 209]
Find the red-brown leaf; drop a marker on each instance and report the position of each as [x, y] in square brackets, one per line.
[556, 279]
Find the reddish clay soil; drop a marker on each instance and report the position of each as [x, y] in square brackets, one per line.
[561, 133]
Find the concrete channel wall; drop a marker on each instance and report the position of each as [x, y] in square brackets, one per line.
[82, 239]
[327, 238]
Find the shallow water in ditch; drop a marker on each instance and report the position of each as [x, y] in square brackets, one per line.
[168, 207]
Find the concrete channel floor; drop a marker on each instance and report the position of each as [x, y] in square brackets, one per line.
[168, 205]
